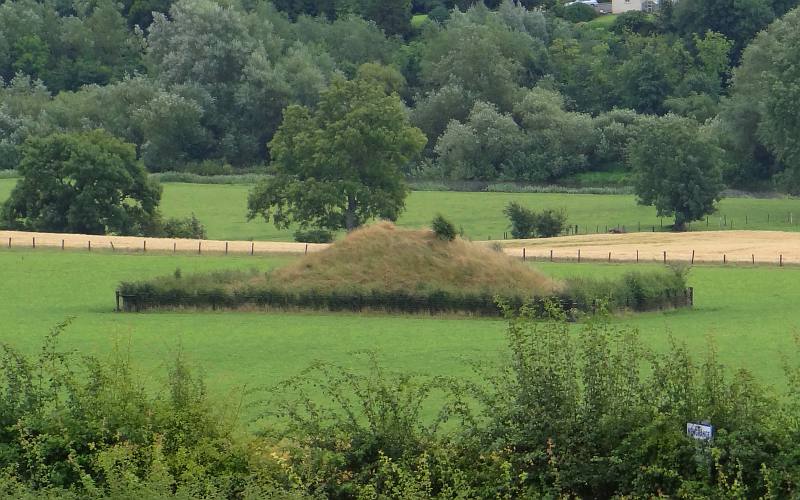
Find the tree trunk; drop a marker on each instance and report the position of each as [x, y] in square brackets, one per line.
[350, 220]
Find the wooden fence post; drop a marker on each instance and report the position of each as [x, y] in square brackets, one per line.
[174, 246]
[724, 259]
[90, 245]
[144, 245]
[9, 242]
[524, 257]
[579, 255]
[609, 257]
[637, 256]
[754, 258]
[112, 246]
[226, 248]
[305, 252]
[117, 294]
[692, 256]
[199, 247]
[780, 262]
[252, 248]
[551, 255]
[665, 256]
[34, 242]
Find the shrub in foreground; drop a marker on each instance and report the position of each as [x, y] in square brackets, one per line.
[566, 413]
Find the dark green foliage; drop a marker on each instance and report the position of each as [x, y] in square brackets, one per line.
[525, 223]
[231, 289]
[338, 166]
[550, 223]
[444, 229]
[188, 227]
[87, 182]
[313, 236]
[579, 13]
[635, 21]
[523, 220]
[678, 169]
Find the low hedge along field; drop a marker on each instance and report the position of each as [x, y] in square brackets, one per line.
[638, 291]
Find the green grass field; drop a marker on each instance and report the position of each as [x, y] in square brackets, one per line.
[751, 312]
[222, 208]
[604, 21]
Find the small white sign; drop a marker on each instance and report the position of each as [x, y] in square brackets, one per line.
[702, 432]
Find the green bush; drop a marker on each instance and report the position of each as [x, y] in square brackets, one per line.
[188, 227]
[444, 229]
[550, 223]
[525, 223]
[523, 220]
[313, 236]
[579, 13]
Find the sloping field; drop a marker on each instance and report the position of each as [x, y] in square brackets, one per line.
[765, 247]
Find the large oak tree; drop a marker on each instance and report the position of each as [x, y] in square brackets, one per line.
[339, 165]
[677, 168]
[87, 182]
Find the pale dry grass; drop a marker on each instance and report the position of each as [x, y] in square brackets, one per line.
[708, 247]
[382, 256]
[20, 239]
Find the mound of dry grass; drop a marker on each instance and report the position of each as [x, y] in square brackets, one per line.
[384, 257]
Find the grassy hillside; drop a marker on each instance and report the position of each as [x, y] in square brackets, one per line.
[222, 208]
[384, 257]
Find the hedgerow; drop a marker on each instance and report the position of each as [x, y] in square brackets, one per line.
[637, 291]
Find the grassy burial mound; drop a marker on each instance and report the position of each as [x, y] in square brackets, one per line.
[382, 267]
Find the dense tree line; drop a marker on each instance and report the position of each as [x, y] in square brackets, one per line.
[502, 90]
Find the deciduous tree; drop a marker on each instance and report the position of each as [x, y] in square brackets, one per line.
[677, 169]
[87, 182]
[339, 165]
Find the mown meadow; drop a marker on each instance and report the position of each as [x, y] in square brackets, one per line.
[749, 311]
[223, 208]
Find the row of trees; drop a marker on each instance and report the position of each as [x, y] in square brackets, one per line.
[207, 82]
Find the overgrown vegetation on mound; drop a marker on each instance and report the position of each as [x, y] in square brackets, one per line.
[587, 414]
[385, 268]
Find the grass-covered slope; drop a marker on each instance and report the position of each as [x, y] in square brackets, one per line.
[385, 257]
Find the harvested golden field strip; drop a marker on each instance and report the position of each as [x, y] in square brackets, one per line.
[20, 239]
[708, 247]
